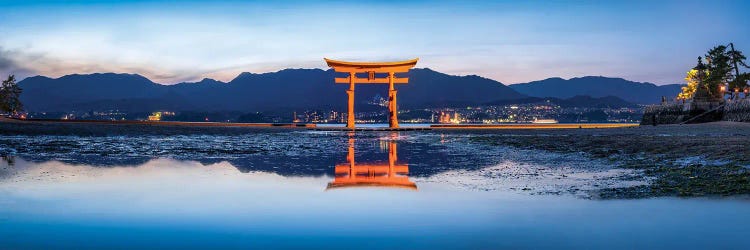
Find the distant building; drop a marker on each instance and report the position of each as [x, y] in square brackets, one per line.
[156, 116]
[446, 117]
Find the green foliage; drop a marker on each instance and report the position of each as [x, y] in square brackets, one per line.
[10, 95]
[692, 84]
[722, 69]
[721, 64]
[740, 80]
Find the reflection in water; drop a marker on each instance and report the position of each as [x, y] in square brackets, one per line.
[351, 174]
[196, 198]
[9, 159]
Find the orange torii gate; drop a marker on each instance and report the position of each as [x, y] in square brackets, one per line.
[372, 175]
[371, 68]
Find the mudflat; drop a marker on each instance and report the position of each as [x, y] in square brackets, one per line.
[680, 160]
[697, 160]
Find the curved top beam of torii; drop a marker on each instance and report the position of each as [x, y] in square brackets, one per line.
[379, 67]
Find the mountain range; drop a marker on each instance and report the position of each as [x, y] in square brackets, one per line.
[305, 89]
[598, 86]
[572, 102]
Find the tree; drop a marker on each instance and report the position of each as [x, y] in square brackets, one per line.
[692, 85]
[739, 81]
[722, 68]
[10, 96]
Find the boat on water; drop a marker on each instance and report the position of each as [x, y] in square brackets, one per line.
[544, 121]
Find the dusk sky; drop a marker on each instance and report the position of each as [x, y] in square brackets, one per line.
[508, 41]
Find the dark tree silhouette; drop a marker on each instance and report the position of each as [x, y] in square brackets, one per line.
[739, 81]
[10, 94]
[723, 65]
[719, 68]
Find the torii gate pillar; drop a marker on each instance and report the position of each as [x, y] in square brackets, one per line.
[392, 110]
[371, 68]
[350, 106]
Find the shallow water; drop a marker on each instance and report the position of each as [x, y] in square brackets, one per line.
[310, 189]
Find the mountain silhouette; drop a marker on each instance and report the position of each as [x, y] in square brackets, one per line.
[579, 101]
[301, 89]
[282, 90]
[597, 86]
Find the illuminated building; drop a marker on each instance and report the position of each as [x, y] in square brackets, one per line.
[445, 117]
[156, 116]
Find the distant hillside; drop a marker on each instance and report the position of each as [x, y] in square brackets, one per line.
[74, 92]
[596, 86]
[285, 89]
[573, 102]
[435, 88]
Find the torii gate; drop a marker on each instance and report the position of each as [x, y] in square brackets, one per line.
[371, 68]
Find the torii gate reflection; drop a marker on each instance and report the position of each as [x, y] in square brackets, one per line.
[392, 174]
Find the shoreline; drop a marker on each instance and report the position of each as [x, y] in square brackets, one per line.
[162, 123]
[45, 126]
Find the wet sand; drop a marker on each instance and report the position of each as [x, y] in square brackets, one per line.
[534, 126]
[682, 160]
[102, 128]
[626, 162]
[95, 127]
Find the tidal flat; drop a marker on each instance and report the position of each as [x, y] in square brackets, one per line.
[634, 162]
[133, 186]
[679, 160]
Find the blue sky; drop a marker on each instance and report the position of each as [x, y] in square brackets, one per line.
[509, 41]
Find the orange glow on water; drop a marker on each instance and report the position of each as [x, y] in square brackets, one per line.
[392, 174]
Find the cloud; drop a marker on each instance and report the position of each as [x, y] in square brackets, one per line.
[9, 65]
[510, 43]
[5, 60]
[25, 64]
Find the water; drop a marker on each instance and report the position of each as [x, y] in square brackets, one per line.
[273, 188]
[374, 125]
